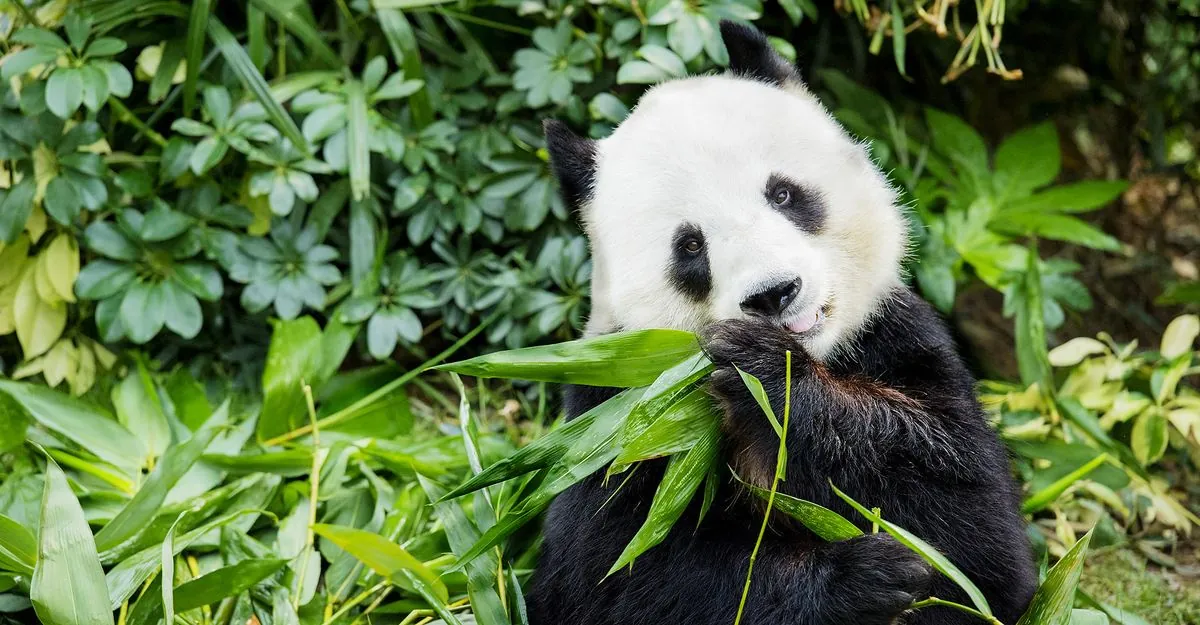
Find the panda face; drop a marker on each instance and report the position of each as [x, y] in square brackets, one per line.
[731, 196]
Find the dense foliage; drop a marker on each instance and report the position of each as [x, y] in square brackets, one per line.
[232, 236]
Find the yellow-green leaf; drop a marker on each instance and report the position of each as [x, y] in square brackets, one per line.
[38, 324]
[1075, 350]
[1179, 336]
[1149, 437]
[62, 265]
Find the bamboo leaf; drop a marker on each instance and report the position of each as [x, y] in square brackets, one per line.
[386, 558]
[587, 429]
[1049, 494]
[678, 428]
[359, 141]
[925, 550]
[822, 521]
[18, 547]
[125, 578]
[87, 425]
[482, 573]
[624, 359]
[683, 477]
[68, 586]
[194, 51]
[145, 504]
[293, 358]
[288, 17]
[1053, 600]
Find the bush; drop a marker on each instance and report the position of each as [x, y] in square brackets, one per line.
[380, 168]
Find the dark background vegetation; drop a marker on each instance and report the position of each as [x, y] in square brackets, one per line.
[357, 186]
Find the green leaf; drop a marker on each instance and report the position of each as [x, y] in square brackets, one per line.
[1079, 197]
[245, 70]
[1032, 359]
[294, 21]
[923, 549]
[182, 314]
[641, 73]
[293, 359]
[142, 311]
[956, 140]
[85, 424]
[1054, 226]
[1149, 437]
[358, 141]
[135, 399]
[822, 521]
[16, 204]
[384, 557]
[64, 91]
[1054, 599]
[683, 477]
[407, 54]
[664, 59]
[1088, 617]
[167, 572]
[588, 429]
[144, 506]
[68, 585]
[678, 428]
[194, 50]
[1048, 495]
[1028, 159]
[623, 359]
[18, 547]
[105, 238]
[899, 38]
[760, 396]
[125, 578]
[364, 237]
[461, 533]
[22, 61]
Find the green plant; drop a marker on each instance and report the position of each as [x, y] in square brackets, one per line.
[1135, 408]
[974, 211]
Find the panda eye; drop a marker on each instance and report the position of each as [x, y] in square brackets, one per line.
[781, 196]
[693, 246]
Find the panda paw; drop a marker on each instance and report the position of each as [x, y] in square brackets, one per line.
[886, 578]
[755, 346]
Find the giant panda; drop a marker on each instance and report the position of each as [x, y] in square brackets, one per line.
[734, 206]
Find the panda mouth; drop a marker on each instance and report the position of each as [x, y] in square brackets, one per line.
[806, 322]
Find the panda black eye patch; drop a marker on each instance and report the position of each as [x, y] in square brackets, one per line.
[800, 204]
[689, 271]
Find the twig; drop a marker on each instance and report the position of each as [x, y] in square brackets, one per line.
[934, 601]
[779, 471]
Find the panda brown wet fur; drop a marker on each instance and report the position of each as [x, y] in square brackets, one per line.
[735, 207]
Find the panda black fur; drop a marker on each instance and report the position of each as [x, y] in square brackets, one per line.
[881, 403]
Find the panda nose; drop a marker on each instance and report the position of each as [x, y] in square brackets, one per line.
[774, 300]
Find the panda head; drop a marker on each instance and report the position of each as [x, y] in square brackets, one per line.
[730, 196]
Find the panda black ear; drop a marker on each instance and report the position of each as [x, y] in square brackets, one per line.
[751, 55]
[573, 160]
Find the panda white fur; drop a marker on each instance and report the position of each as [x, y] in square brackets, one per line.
[734, 206]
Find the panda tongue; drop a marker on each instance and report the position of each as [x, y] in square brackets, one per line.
[803, 324]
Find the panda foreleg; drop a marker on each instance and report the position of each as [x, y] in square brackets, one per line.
[696, 574]
[933, 465]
